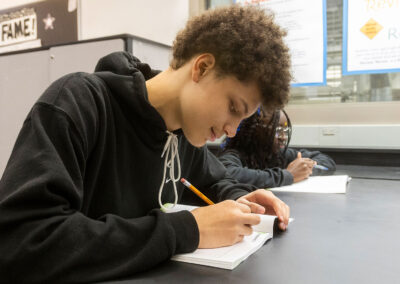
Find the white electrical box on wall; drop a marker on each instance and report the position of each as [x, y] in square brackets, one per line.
[347, 136]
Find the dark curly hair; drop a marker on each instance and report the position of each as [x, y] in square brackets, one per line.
[246, 43]
[254, 141]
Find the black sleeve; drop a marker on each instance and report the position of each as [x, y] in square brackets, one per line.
[45, 237]
[320, 158]
[267, 178]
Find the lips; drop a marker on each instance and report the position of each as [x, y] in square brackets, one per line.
[213, 136]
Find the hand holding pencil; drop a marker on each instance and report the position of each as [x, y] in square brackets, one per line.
[227, 222]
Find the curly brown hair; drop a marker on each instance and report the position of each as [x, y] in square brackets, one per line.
[246, 43]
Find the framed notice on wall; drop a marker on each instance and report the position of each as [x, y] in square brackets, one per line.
[38, 24]
[305, 22]
[371, 36]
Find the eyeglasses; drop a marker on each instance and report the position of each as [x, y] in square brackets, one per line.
[282, 132]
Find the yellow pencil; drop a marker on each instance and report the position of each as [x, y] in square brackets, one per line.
[196, 191]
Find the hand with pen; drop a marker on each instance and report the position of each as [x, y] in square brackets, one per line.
[301, 168]
[224, 224]
[227, 222]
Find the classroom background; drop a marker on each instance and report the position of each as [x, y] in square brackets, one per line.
[345, 102]
[351, 114]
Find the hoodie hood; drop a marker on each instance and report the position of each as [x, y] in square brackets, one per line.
[122, 67]
[126, 78]
[124, 63]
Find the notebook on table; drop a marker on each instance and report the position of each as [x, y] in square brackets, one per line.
[231, 256]
[317, 184]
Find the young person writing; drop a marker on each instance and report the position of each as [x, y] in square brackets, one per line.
[259, 153]
[99, 154]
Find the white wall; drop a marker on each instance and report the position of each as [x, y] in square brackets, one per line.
[5, 4]
[157, 20]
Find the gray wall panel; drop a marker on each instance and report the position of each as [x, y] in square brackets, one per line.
[23, 78]
[80, 57]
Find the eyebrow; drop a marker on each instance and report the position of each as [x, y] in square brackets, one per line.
[246, 109]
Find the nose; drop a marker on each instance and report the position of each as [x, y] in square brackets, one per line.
[230, 133]
[231, 128]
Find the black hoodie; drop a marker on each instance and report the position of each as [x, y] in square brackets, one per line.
[79, 195]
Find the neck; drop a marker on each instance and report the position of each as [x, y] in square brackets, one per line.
[164, 95]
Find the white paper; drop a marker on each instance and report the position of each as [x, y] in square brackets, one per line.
[231, 256]
[318, 184]
[226, 257]
[266, 224]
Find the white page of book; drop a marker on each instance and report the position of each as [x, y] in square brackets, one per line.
[178, 207]
[231, 256]
[226, 257]
[231, 253]
[266, 224]
[318, 184]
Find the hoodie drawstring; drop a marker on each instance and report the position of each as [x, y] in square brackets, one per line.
[171, 153]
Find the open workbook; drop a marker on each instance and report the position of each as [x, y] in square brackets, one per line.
[231, 256]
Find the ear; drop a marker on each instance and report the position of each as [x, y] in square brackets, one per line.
[202, 65]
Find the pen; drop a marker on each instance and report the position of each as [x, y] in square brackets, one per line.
[196, 191]
[321, 167]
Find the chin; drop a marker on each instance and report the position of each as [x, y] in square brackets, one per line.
[196, 142]
[192, 138]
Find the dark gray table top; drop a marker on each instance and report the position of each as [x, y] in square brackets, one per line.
[369, 172]
[335, 238]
